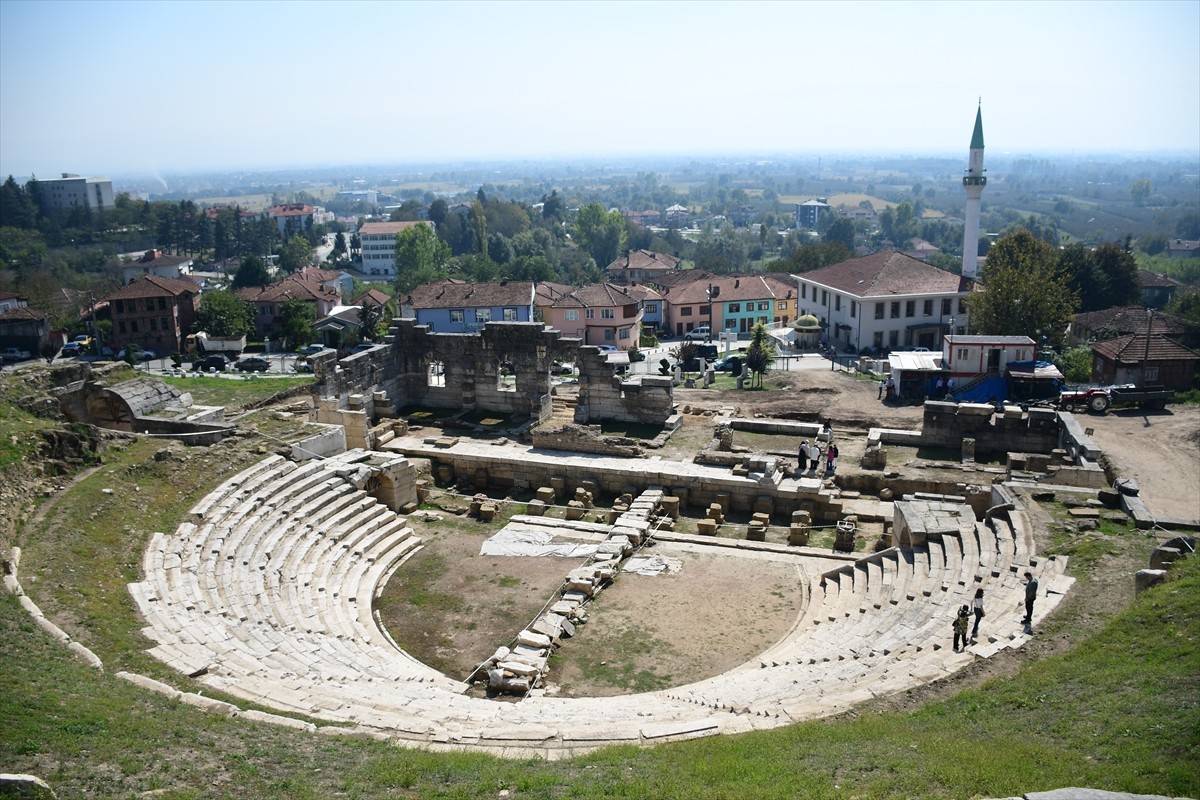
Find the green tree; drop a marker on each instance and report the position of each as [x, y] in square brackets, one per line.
[553, 206]
[1075, 363]
[223, 313]
[841, 230]
[296, 254]
[1140, 191]
[1119, 272]
[760, 354]
[16, 206]
[369, 317]
[720, 253]
[339, 246]
[1186, 306]
[407, 211]
[1152, 243]
[1188, 226]
[1023, 293]
[600, 233]
[419, 249]
[1100, 278]
[251, 272]
[296, 326]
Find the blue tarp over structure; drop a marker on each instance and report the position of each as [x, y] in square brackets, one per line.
[983, 392]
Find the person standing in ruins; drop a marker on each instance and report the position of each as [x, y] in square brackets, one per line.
[977, 608]
[882, 385]
[814, 456]
[1031, 588]
[960, 628]
[802, 457]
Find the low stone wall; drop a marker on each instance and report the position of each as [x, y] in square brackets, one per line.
[1074, 438]
[190, 433]
[774, 426]
[947, 424]
[584, 439]
[330, 442]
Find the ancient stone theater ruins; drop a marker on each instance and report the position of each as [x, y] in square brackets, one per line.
[265, 591]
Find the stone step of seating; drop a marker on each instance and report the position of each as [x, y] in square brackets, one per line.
[226, 489]
[342, 559]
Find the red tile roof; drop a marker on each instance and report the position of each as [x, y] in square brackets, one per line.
[372, 297]
[291, 210]
[1131, 319]
[644, 259]
[154, 286]
[546, 292]
[1148, 278]
[1134, 349]
[643, 292]
[456, 294]
[732, 288]
[887, 273]
[318, 275]
[22, 313]
[287, 289]
[682, 277]
[596, 295]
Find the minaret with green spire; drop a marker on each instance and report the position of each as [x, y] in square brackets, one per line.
[973, 183]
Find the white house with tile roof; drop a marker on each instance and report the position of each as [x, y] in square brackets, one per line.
[886, 300]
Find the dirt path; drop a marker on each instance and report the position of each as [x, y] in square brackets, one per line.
[1160, 450]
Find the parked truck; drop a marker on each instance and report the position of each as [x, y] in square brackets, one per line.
[229, 346]
[1099, 399]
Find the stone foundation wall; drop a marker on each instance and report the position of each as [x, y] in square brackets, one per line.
[947, 424]
[584, 439]
[753, 492]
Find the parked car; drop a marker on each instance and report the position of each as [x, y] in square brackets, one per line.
[312, 349]
[607, 348]
[144, 355]
[726, 363]
[253, 364]
[214, 362]
[71, 349]
[560, 368]
[701, 333]
[15, 354]
[84, 341]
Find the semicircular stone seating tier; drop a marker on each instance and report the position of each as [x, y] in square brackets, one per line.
[265, 592]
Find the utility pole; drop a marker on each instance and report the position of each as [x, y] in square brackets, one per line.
[713, 292]
[95, 330]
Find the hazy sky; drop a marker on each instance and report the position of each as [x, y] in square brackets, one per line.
[105, 88]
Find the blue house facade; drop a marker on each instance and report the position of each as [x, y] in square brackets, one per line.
[453, 306]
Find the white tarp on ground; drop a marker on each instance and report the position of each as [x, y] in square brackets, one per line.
[510, 542]
[652, 565]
